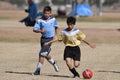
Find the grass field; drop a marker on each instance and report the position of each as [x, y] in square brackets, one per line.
[19, 48]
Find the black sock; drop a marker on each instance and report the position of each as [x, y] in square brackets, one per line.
[75, 73]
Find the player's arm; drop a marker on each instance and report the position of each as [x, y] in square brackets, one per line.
[56, 31]
[55, 38]
[82, 37]
[91, 45]
[39, 31]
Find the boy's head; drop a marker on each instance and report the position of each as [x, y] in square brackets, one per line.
[47, 11]
[71, 22]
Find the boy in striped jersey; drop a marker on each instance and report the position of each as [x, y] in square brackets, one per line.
[72, 38]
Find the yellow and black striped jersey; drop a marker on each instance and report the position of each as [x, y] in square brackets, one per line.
[71, 38]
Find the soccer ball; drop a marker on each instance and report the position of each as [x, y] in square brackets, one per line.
[87, 74]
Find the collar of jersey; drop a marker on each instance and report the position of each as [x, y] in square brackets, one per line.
[43, 18]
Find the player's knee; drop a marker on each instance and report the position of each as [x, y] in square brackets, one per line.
[67, 63]
[76, 65]
[44, 54]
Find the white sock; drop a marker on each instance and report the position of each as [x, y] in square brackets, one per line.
[52, 61]
[39, 65]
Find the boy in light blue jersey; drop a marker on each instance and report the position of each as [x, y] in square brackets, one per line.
[48, 27]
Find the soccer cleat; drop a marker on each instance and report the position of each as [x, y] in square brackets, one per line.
[37, 72]
[76, 76]
[56, 66]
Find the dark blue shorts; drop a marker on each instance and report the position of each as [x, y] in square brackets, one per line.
[45, 50]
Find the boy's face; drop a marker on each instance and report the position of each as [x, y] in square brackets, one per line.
[47, 14]
[70, 26]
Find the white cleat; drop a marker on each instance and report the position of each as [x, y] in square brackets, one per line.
[56, 67]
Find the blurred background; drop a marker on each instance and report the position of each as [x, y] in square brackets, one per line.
[67, 7]
[98, 19]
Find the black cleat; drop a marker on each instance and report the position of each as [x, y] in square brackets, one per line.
[37, 72]
[76, 76]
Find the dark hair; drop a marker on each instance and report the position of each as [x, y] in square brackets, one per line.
[47, 8]
[71, 20]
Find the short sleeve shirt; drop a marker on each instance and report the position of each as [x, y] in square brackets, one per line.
[72, 38]
[48, 25]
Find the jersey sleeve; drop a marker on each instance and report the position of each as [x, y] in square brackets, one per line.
[36, 26]
[60, 37]
[81, 36]
[55, 23]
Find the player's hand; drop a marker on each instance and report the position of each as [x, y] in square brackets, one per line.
[39, 31]
[93, 46]
[47, 43]
[26, 10]
[43, 30]
[55, 38]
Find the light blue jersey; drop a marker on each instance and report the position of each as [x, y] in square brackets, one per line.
[49, 25]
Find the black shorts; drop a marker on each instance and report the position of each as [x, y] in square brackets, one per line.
[45, 50]
[72, 52]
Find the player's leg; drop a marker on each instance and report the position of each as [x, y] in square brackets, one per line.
[53, 62]
[27, 22]
[23, 20]
[68, 56]
[39, 66]
[76, 64]
[71, 68]
[76, 58]
[30, 22]
[42, 55]
[69, 63]
[47, 56]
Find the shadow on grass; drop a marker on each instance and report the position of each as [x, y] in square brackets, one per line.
[118, 29]
[104, 71]
[14, 72]
[29, 73]
[62, 76]
[59, 76]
